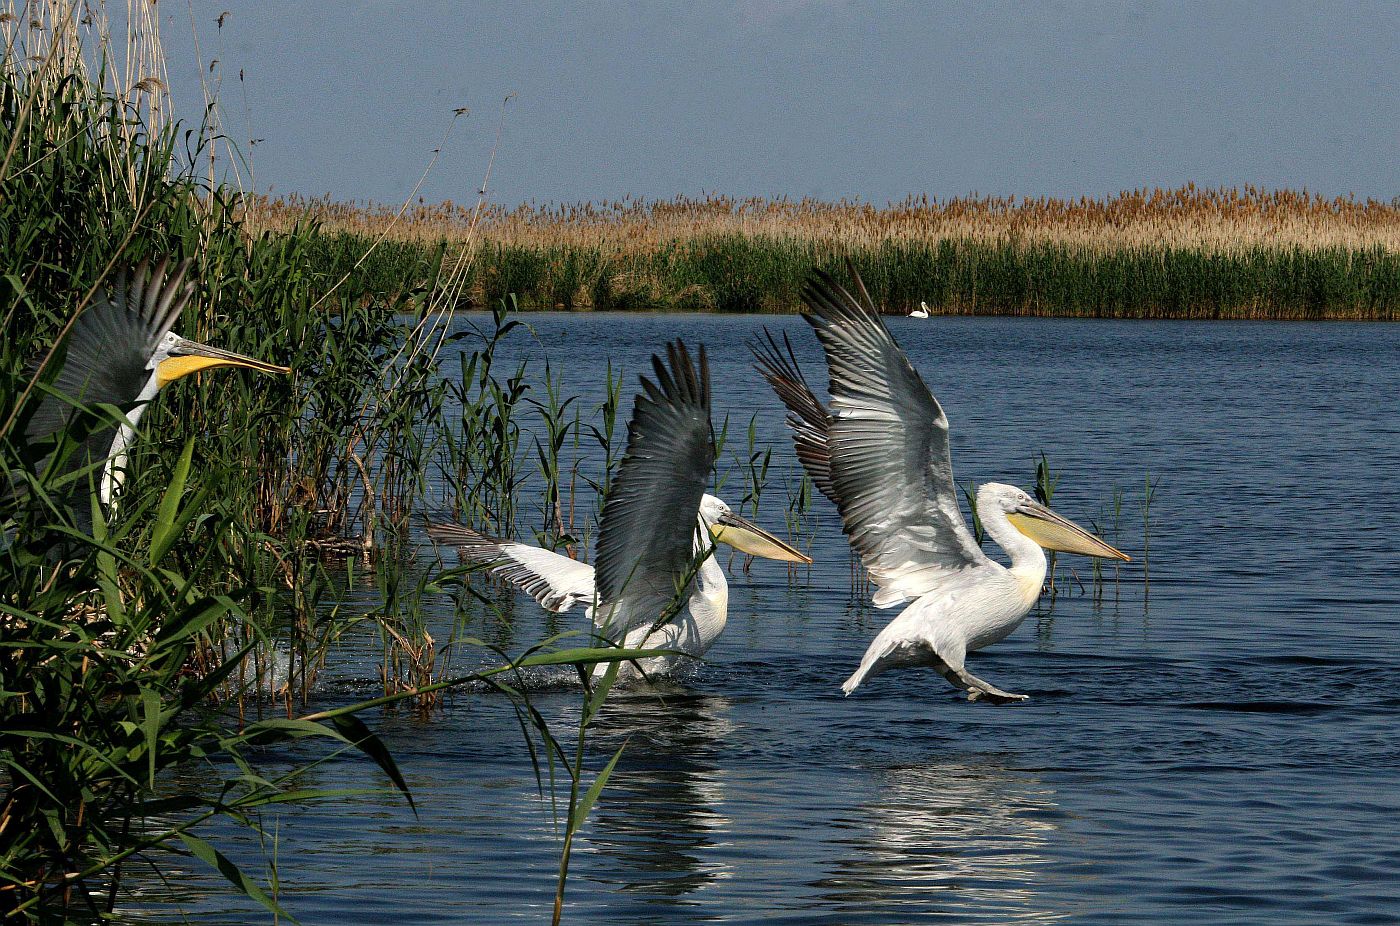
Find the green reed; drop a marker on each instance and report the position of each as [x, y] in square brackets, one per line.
[1107, 525]
[560, 425]
[483, 451]
[979, 533]
[189, 625]
[1046, 480]
[797, 517]
[604, 432]
[752, 462]
[117, 647]
[742, 273]
[1149, 494]
[97, 637]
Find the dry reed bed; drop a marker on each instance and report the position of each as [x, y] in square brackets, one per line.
[1149, 253]
[1229, 220]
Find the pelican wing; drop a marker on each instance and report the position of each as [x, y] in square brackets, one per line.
[556, 582]
[646, 542]
[887, 442]
[807, 418]
[108, 350]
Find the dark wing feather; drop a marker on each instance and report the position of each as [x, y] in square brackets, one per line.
[887, 442]
[807, 418]
[646, 541]
[105, 356]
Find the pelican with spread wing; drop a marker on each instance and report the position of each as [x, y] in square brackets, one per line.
[880, 452]
[656, 584]
[121, 352]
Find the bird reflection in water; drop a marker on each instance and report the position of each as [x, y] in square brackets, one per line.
[653, 833]
[963, 839]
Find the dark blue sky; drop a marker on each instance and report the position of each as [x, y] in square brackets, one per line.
[830, 99]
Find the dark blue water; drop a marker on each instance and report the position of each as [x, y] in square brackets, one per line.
[1224, 748]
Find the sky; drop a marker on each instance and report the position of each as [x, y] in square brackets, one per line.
[866, 100]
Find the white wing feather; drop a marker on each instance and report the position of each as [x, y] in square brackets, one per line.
[555, 581]
[887, 443]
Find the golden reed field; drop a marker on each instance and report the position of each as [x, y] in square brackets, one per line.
[1186, 252]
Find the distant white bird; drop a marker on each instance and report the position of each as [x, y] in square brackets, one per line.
[122, 352]
[880, 452]
[920, 312]
[656, 538]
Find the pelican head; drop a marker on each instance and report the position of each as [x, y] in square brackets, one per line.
[727, 527]
[175, 357]
[121, 351]
[1042, 525]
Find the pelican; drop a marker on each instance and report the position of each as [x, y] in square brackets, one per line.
[121, 352]
[880, 452]
[920, 312]
[655, 542]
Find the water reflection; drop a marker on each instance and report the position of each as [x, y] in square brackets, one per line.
[662, 813]
[966, 837]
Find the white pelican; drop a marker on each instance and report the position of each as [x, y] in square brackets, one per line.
[920, 312]
[657, 522]
[880, 452]
[122, 352]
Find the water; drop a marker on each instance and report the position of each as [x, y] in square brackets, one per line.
[1222, 750]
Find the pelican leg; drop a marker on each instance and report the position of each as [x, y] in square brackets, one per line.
[978, 690]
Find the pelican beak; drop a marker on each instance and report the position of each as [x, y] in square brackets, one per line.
[188, 357]
[748, 537]
[1056, 533]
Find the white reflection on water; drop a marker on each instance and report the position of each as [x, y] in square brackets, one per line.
[661, 818]
[965, 837]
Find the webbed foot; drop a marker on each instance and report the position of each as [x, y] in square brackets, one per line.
[979, 690]
[995, 696]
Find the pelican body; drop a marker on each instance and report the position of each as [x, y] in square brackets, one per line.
[656, 584]
[879, 451]
[983, 604]
[121, 352]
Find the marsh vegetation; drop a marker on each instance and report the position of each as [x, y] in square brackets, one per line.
[1183, 253]
[188, 624]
